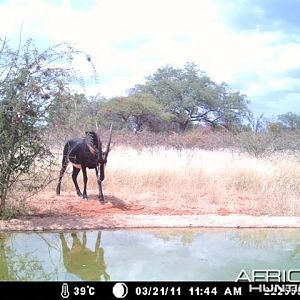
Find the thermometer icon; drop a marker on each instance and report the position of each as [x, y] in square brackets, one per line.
[64, 291]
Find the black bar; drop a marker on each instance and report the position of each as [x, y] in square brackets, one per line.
[58, 290]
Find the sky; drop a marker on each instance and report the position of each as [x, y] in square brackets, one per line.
[253, 45]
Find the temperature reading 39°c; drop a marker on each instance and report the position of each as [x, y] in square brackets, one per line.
[84, 290]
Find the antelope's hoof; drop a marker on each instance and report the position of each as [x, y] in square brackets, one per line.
[85, 198]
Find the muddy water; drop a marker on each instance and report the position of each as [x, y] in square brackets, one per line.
[169, 254]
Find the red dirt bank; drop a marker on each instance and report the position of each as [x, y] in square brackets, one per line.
[51, 212]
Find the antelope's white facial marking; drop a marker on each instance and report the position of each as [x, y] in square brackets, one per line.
[77, 166]
[92, 150]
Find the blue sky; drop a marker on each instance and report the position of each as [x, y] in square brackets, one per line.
[253, 45]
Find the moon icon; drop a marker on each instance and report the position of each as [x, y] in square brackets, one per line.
[120, 290]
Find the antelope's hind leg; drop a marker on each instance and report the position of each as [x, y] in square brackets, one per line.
[61, 174]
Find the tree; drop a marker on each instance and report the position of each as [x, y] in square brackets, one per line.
[256, 124]
[67, 111]
[30, 81]
[289, 120]
[190, 96]
[137, 111]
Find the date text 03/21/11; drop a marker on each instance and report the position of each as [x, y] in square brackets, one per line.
[158, 291]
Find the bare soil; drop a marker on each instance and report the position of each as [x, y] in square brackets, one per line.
[47, 211]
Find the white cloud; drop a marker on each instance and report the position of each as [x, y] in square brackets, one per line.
[129, 40]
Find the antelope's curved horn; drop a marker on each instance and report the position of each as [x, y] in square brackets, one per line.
[100, 148]
[108, 144]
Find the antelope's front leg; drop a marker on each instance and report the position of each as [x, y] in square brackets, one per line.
[85, 180]
[101, 197]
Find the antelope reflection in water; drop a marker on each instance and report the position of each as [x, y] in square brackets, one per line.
[82, 261]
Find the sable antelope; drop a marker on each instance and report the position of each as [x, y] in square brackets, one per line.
[85, 153]
[83, 262]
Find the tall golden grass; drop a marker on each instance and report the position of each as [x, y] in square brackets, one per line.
[204, 181]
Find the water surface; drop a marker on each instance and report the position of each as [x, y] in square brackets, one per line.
[164, 254]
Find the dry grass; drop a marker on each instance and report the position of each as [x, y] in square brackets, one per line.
[202, 181]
